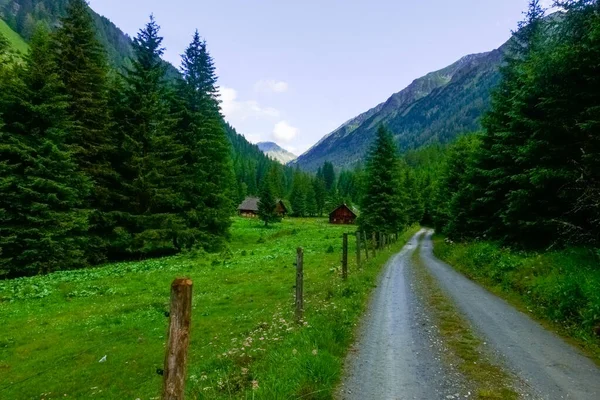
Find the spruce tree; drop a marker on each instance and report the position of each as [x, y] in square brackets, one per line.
[382, 207]
[42, 223]
[150, 219]
[268, 201]
[82, 66]
[207, 180]
[298, 196]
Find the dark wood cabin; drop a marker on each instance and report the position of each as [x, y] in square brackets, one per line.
[343, 215]
[249, 208]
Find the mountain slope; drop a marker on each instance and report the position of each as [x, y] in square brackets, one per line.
[14, 39]
[274, 151]
[436, 107]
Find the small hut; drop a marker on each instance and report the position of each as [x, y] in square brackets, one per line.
[249, 207]
[343, 215]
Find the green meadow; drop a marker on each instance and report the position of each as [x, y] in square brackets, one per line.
[14, 39]
[100, 333]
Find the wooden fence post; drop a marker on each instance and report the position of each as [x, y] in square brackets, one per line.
[299, 284]
[366, 245]
[178, 339]
[345, 257]
[374, 244]
[358, 249]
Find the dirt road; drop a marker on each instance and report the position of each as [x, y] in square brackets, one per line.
[398, 354]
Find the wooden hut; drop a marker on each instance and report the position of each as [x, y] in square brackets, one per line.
[343, 215]
[249, 208]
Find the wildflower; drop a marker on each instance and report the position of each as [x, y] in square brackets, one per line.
[314, 352]
[294, 352]
[244, 371]
[254, 385]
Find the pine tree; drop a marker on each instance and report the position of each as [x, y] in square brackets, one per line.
[268, 201]
[298, 196]
[382, 208]
[42, 223]
[83, 68]
[207, 180]
[150, 219]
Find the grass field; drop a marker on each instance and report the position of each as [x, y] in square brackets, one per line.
[14, 39]
[244, 344]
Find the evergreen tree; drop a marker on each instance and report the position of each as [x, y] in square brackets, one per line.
[42, 223]
[320, 192]
[382, 208]
[207, 181]
[150, 218]
[299, 195]
[83, 68]
[268, 201]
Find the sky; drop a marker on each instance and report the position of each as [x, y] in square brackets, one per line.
[293, 71]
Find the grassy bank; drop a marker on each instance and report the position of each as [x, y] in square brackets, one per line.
[561, 288]
[56, 329]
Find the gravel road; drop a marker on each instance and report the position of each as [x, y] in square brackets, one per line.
[397, 353]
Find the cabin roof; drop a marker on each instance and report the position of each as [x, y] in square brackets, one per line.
[249, 204]
[353, 211]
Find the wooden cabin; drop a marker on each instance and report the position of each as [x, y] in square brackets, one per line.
[343, 215]
[249, 208]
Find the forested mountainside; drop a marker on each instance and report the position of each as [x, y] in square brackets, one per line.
[23, 16]
[434, 108]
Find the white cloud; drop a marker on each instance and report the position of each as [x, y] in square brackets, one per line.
[271, 86]
[284, 132]
[235, 109]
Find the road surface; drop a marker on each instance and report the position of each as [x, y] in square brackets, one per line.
[398, 353]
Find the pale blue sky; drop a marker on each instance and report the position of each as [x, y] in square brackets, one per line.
[292, 71]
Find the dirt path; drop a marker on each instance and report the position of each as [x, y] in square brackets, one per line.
[398, 354]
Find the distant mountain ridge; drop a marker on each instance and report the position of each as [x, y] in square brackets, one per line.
[277, 153]
[436, 107]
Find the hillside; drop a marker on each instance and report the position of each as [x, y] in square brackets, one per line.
[16, 41]
[434, 108]
[277, 153]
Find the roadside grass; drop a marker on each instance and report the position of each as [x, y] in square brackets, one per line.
[464, 349]
[15, 40]
[560, 288]
[244, 343]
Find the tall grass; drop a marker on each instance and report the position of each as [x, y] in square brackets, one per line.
[244, 343]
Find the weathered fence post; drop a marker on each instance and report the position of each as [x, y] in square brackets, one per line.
[358, 249]
[299, 284]
[374, 244]
[345, 257]
[178, 339]
[366, 245]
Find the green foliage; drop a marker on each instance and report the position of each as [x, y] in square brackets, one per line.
[559, 286]
[207, 180]
[533, 181]
[268, 201]
[43, 226]
[151, 157]
[83, 69]
[383, 207]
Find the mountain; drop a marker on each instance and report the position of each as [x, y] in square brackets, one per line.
[434, 108]
[274, 151]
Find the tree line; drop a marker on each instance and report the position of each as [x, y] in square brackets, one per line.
[98, 165]
[532, 177]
